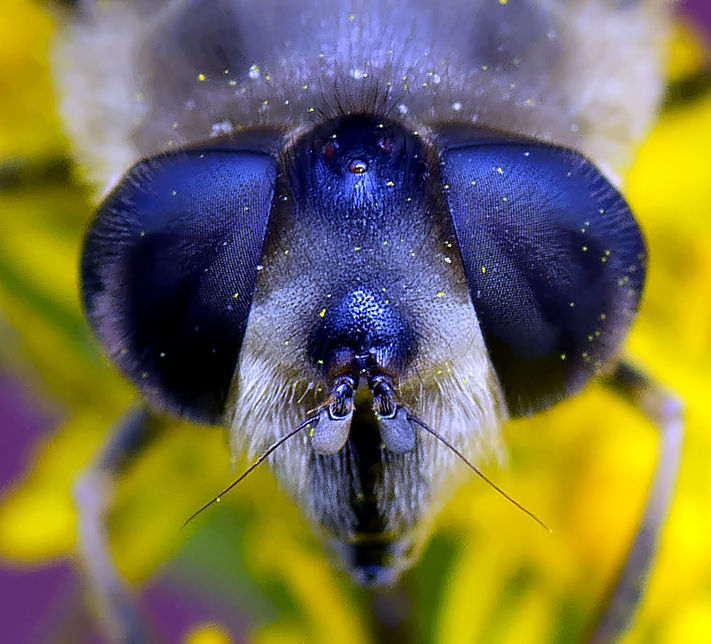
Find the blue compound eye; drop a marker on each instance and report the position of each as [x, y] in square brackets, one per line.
[169, 269]
[554, 260]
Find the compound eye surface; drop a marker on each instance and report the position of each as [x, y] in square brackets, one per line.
[169, 269]
[554, 260]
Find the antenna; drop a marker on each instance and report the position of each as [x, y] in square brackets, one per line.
[254, 466]
[439, 437]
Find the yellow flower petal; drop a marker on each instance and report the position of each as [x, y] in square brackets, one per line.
[207, 634]
[36, 525]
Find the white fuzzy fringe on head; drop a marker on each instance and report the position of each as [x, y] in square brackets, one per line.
[576, 73]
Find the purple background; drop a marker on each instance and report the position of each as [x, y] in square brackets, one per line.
[699, 11]
[47, 601]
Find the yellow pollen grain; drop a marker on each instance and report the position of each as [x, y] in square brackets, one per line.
[483, 269]
[322, 313]
[500, 170]
[201, 77]
[440, 294]
[235, 295]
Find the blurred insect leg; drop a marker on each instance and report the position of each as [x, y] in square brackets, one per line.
[688, 89]
[94, 493]
[665, 410]
[22, 174]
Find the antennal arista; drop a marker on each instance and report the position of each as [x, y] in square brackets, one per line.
[253, 467]
[473, 468]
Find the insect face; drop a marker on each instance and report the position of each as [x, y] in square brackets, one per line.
[379, 230]
[361, 276]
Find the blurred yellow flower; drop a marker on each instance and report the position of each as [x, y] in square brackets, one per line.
[207, 634]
